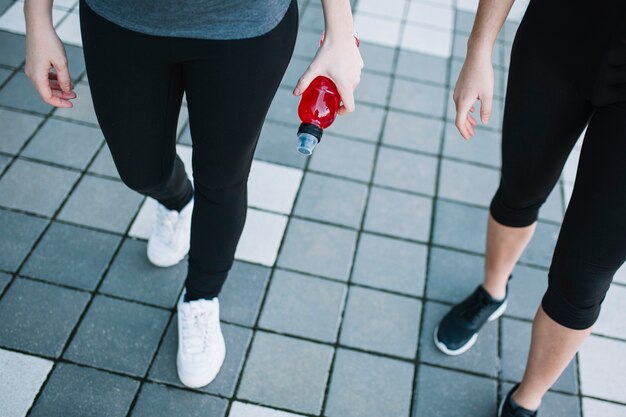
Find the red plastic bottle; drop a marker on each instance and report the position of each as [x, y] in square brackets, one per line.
[317, 110]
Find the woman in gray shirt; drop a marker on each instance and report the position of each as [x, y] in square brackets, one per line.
[228, 57]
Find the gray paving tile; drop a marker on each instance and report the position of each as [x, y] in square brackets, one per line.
[34, 187]
[4, 162]
[71, 256]
[357, 388]
[312, 18]
[240, 409]
[597, 408]
[423, 67]
[242, 293]
[237, 340]
[526, 290]
[5, 74]
[39, 317]
[344, 157]
[12, 47]
[468, 183]
[76, 391]
[296, 68]
[284, 109]
[381, 322]
[185, 136]
[19, 232]
[101, 203]
[541, 247]
[118, 335]
[364, 123]
[278, 144]
[484, 148]
[156, 400]
[377, 57]
[16, 128]
[464, 21]
[603, 369]
[413, 132]
[418, 97]
[287, 373]
[398, 214]
[76, 61]
[303, 306]
[103, 164]
[4, 281]
[64, 143]
[406, 171]
[306, 243]
[83, 106]
[611, 322]
[460, 226]
[435, 398]
[554, 404]
[390, 264]
[4, 5]
[481, 358]
[20, 379]
[19, 93]
[133, 277]
[515, 344]
[307, 43]
[331, 200]
[510, 29]
[453, 275]
[553, 209]
[373, 88]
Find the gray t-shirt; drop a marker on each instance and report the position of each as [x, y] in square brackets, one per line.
[202, 19]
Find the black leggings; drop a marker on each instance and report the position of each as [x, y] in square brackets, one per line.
[561, 80]
[137, 83]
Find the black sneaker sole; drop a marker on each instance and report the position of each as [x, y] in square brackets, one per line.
[468, 345]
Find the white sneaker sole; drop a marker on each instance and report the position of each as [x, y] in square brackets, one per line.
[199, 381]
[472, 341]
[162, 262]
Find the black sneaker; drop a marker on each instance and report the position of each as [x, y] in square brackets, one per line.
[458, 330]
[508, 408]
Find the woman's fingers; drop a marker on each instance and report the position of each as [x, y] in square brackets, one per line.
[347, 98]
[63, 74]
[304, 81]
[485, 108]
[463, 107]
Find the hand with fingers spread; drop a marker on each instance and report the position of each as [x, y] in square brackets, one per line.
[338, 58]
[46, 61]
[475, 83]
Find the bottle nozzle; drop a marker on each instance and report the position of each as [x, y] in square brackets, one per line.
[306, 143]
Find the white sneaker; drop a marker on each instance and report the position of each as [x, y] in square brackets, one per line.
[169, 241]
[201, 347]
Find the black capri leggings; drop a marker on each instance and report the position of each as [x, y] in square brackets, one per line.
[137, 83]
[562, 79]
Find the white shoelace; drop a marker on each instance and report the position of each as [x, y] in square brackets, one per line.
[197, 323]
[166, 223]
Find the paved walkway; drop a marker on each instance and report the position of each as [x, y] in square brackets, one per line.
[391, 211]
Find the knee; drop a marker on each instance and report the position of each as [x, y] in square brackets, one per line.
[574, 296]
[515, 205]
[143, 182]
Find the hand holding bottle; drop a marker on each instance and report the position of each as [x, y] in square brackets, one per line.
[339, 59]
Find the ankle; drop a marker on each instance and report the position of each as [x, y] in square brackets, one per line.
[498, 293]
[524, 399]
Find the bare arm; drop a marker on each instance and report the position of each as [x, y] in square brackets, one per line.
[338, 58]
[44, 51]
[476, 79]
